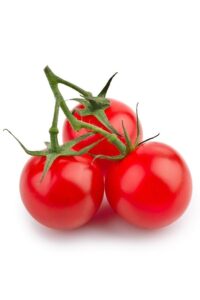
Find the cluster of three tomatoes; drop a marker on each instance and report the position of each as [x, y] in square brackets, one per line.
[150, 187]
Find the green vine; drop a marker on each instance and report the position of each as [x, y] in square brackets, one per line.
[75, 123]
[91, 106]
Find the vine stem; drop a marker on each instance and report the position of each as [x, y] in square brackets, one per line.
[76, 124]
[53, 131]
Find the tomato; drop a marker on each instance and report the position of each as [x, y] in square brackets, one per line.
[151, 187]
[116, 113]
[68, 196]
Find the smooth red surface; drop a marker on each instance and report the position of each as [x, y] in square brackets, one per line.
[69, 195]
[151, 187]
[116, 113]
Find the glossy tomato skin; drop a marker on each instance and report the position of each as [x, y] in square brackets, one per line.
[151, 187]
[116, 113]
[67, 197]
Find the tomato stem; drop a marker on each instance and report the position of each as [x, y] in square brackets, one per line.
[57, 79]
[53, 131]
[75, 123]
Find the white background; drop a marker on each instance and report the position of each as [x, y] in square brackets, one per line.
[155, 47]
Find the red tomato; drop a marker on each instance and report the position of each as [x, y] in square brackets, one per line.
[151, 187]
[116, 113]
[68, 196]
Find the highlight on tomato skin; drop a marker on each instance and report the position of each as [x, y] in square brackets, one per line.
[116, 113]
[68, 196]
[151, 187]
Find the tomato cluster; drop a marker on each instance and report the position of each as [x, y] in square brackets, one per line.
[146, 183]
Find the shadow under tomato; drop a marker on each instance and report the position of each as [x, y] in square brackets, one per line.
[106, 224]
[104, 216]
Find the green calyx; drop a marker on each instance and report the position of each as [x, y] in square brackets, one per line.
[129, 146]
[63, 150]
[96, 106]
